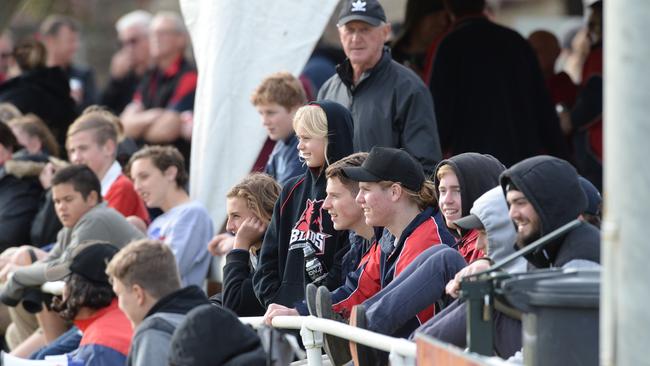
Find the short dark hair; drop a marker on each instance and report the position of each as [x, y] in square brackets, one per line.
[465, 7]
[53, 24]
[335, 170]
[82, 179]
[82, 293]
[163, 157]
[7, 138]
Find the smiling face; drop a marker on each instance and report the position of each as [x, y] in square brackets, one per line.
[83, 148]
[70, 205]
[525, 218]
[277, 120]
[340, 203]
[151, 184]
[311, 148]
[450, 199]
[376, 202]
[237, 211]
[362, 43]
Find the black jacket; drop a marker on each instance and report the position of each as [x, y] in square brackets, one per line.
[490, 95]
[390, 106]
[238, 294]
[298, 220]
[20, 192]
[46, 93]
[551, 185]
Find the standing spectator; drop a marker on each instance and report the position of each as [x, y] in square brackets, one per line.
[41, 90]
[156, 114]
[6, 54]
[129, 64]
[489, 92]
[146, 281]
[425, 22]
[60, 35]
[92, 140]
[390, 105]
[160, 179]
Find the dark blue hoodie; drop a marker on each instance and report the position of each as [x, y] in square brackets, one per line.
[299, 220]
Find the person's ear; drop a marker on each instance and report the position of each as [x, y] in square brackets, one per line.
[110, 147]
[386, 32]
[93, 198]
[396, 192]
[170, 173]
[140, 295]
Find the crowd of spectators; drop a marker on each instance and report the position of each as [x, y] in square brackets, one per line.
[427, 156]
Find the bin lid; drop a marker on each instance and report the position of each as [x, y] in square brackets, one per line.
[553, 288]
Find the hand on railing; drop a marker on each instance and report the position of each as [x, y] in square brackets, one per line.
[278, 310]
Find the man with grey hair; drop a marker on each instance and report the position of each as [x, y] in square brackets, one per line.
[390, 105]
[161, 109]
[130, 62]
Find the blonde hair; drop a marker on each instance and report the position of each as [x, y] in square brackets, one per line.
[35, 127]
[281, 88]
[313, 120]
[259, 191]
[426, 197]
[444, 170]
[104, 125]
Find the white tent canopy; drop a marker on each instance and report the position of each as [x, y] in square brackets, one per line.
[236, 44]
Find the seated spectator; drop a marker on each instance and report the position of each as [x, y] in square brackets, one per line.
[193, 343]
[276, 99]
[92, 140]
[594, 203]
[34, 136]
[19, 192]
[8, 112]
[160, 112]
[129, 64]
[301, 245]
[60, 35]
[79, 206]
[43, 91]
[146, 281]
[250, 207]
[6, 58]
[91, 304]
[459, 181]
[160, 178]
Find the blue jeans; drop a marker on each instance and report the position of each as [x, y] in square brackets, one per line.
[67, 342]
[392, 310]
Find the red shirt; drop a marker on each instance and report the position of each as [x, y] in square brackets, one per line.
[123, 198]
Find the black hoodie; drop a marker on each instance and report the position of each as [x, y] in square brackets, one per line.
[551, 185]
[46, 93]
[476, 174]
[299, 220]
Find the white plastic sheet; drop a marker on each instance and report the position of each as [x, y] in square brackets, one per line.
[236, 44]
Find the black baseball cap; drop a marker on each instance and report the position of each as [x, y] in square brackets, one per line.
[388, 164]
[87, 259]
[369, 11]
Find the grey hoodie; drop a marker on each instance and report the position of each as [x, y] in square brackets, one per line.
[492, 210]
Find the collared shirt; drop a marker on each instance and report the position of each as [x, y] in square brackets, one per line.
[284, 162]
[110, 177]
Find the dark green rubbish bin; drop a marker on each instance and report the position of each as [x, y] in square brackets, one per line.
[560, 315]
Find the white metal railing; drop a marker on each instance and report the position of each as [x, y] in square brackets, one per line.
[402, 352]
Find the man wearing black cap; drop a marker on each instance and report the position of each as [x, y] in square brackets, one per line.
[395, 195]
[389, 103]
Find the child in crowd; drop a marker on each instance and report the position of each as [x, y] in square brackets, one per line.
[34, 136]
[160, 178]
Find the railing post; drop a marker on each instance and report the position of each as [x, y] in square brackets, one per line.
[399, 360]
[313, 342]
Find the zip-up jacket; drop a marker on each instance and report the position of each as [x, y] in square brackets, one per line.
[386, 260]
[391, 107]
[299, 221]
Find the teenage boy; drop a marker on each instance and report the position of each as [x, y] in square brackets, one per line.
[92, 140]
[78, 204]
[160, 179]
[277, 99]
[146, 281]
